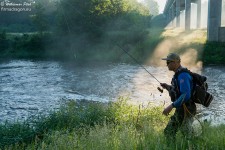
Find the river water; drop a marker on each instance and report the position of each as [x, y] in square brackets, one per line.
[30, 87]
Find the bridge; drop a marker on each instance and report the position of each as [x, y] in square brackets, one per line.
[173, 9]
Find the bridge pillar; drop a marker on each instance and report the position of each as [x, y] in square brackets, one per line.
[214, 19]
[199, 8]
[187, 14]
[178, 13]
[170, 17]
[173, 15]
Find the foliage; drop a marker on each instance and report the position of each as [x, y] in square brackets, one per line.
[96, 28]
[79, 116]
[15, 133]
[4, 42]
[3, 35]
[43, 17]
[13, 21]
[153, 6]
[74, 115]
[92, 16]
[94, 125]
[81, 30]
[207, 52]
[26, 45]
[39, 19]
[214, 53]
[18, 27]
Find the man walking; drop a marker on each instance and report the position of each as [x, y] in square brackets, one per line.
[180, 92]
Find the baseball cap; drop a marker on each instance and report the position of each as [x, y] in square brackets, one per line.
[172, 57]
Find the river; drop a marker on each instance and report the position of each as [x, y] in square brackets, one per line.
[30, 87]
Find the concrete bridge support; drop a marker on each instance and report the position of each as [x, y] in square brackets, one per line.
[170, 18]
[178, 13]
[215, 32]
[214, 19]
[199, 9]
[173, 10]
[173, 15]
[187, 14]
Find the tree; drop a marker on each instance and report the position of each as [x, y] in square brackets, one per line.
[43, 16]
[91, 16]
[13, 21]
[4, 43]
[153, 7]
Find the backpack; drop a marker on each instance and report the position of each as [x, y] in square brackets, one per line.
[200, 95]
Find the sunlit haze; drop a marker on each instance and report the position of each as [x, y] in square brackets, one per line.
[161, 4]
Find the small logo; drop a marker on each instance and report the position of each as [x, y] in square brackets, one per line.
[2, 3]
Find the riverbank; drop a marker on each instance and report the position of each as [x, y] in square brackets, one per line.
[141, 45]
[94, 125]
[194, 44]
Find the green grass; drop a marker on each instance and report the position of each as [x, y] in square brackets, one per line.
[93, 125]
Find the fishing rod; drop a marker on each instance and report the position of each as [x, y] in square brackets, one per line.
[160, 90]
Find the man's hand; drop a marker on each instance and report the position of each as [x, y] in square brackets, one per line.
[167, 110]
[165, 86]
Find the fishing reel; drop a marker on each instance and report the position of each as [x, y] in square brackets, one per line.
[160, 90]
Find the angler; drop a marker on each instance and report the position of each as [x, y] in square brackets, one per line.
[180, 92]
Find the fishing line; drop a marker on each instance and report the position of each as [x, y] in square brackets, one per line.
[137, 62]
[69, 29]
[120, 47]
[160, 90]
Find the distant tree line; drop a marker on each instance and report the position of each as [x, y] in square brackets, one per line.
[96, 16]
[65, 26]
[79, 15]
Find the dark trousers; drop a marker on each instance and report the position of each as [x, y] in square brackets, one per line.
[181, 118]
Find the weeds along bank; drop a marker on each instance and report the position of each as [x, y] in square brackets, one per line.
[93, 125]
[81, 118]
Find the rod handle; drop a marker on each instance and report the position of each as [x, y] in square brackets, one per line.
[160, 90]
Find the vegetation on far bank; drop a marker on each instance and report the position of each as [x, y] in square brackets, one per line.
[96, 30]
[94, 125]
[81, 30]
[140, 45]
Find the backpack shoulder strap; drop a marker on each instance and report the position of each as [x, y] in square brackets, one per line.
[175, 77]
[196, 78]
[181, 70]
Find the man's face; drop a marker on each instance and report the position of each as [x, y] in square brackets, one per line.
[170, 65]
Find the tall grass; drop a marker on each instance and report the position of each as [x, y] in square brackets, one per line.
[119, 125]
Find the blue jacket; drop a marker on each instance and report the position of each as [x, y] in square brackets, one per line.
[183, 88]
